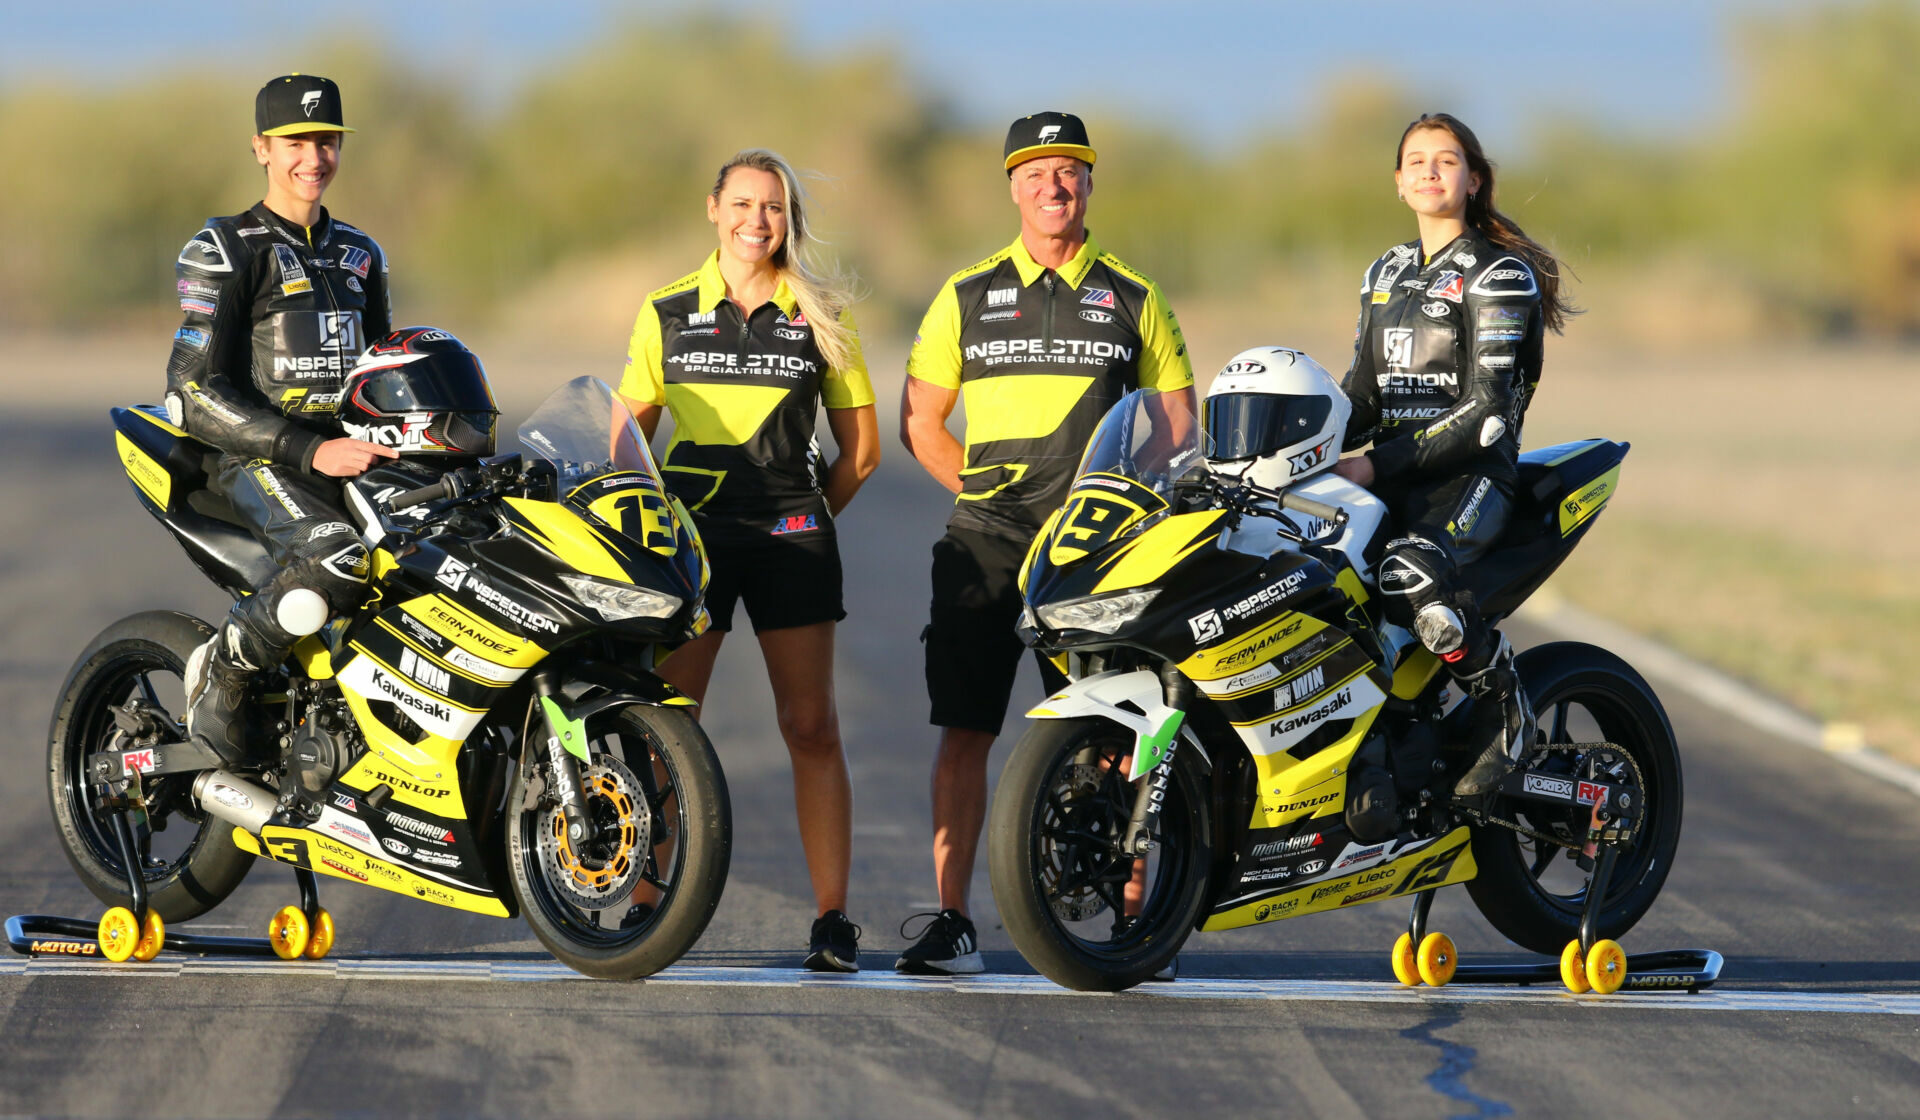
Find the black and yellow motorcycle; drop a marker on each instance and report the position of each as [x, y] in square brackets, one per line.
[1244, 739]
[484, 733]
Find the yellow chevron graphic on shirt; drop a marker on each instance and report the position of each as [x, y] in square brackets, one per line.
[1019, 406]
[727, 415]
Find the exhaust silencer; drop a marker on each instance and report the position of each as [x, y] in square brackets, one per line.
[234, 800]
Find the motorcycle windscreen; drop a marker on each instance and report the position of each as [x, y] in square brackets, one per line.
[588, 434]
[585, 432]
[1148, 436]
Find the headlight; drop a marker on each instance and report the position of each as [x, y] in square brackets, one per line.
[1102, 614]
[615, 602]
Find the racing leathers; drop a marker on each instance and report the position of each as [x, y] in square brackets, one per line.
[275, 316]
[1447, 352]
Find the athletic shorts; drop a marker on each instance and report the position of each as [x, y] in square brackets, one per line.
[782, 582]
[973, 653]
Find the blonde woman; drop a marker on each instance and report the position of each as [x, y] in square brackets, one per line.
[742, 351]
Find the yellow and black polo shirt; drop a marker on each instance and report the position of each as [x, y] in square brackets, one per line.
[1038, 358]
[744, 393]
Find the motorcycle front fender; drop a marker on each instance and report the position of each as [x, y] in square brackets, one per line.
[1103, 695]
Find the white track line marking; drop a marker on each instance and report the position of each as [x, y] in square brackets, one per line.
[1316, 991]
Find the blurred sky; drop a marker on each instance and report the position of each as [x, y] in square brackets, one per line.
[1216, 70]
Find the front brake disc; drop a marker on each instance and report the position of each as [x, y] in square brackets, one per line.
[599, 871]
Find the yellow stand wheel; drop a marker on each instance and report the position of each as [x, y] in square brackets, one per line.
[119, 934]
[152, 937]
[321, 940]
[287, 932]
[1606, 966]
[1405, 969]
[1573, 968]
[1436, 959]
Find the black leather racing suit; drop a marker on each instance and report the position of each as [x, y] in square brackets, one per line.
[1446, 356]
[275, 316]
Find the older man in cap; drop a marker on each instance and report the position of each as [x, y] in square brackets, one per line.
[1041, 338]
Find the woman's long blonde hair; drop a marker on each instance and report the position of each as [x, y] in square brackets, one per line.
[821, 294]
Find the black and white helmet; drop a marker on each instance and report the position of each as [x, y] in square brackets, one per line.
[1274, 416]
[421, 392]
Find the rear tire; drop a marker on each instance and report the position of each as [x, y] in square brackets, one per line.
[698, 831]
[139, 655]
[1051, 820]
[1564, 679]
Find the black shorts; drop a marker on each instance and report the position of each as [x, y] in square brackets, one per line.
[973, 653]
[783, 582]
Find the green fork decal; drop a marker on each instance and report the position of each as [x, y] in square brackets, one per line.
[572, 732]
[1151, 748]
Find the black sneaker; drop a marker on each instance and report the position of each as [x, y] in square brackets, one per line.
[948, 946]
[834, 944]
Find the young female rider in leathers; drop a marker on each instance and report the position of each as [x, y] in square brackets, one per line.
[1446, 356]
[742, 351]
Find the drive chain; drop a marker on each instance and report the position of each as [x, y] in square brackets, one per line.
[1639, 782]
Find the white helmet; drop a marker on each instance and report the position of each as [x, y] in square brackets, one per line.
[1273, 417]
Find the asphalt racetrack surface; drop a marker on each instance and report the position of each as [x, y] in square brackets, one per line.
[1799, 871]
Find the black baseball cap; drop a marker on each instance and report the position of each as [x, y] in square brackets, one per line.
[1047, 134]
[298, 103]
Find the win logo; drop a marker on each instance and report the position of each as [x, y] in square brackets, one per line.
[1002, 297]
[1305, 685]
[425, 672]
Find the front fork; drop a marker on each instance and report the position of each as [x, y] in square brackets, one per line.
[566, 752]
[1152, 765]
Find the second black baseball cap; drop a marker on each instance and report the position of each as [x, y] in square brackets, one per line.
[298, 103]
[1047, 134]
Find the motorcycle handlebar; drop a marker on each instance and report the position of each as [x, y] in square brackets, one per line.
[1308, 506]
[432, 492]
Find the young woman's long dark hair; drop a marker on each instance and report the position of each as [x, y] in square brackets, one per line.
[1497, 227]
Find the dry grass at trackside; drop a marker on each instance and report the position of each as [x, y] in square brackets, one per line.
[1758, 526]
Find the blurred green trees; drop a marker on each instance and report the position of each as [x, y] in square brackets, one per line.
[1810, 190]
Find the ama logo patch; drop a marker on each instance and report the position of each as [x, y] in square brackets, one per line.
[796, 524]
[1098, 297]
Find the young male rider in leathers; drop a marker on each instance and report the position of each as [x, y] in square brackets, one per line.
[279, 301]
[1446, 356]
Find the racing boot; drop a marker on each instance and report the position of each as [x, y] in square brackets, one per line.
[217, 678]
[259, 631]
[1501, 722]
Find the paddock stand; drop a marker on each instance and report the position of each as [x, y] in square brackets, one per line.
[1589, 964]
[137, 933]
